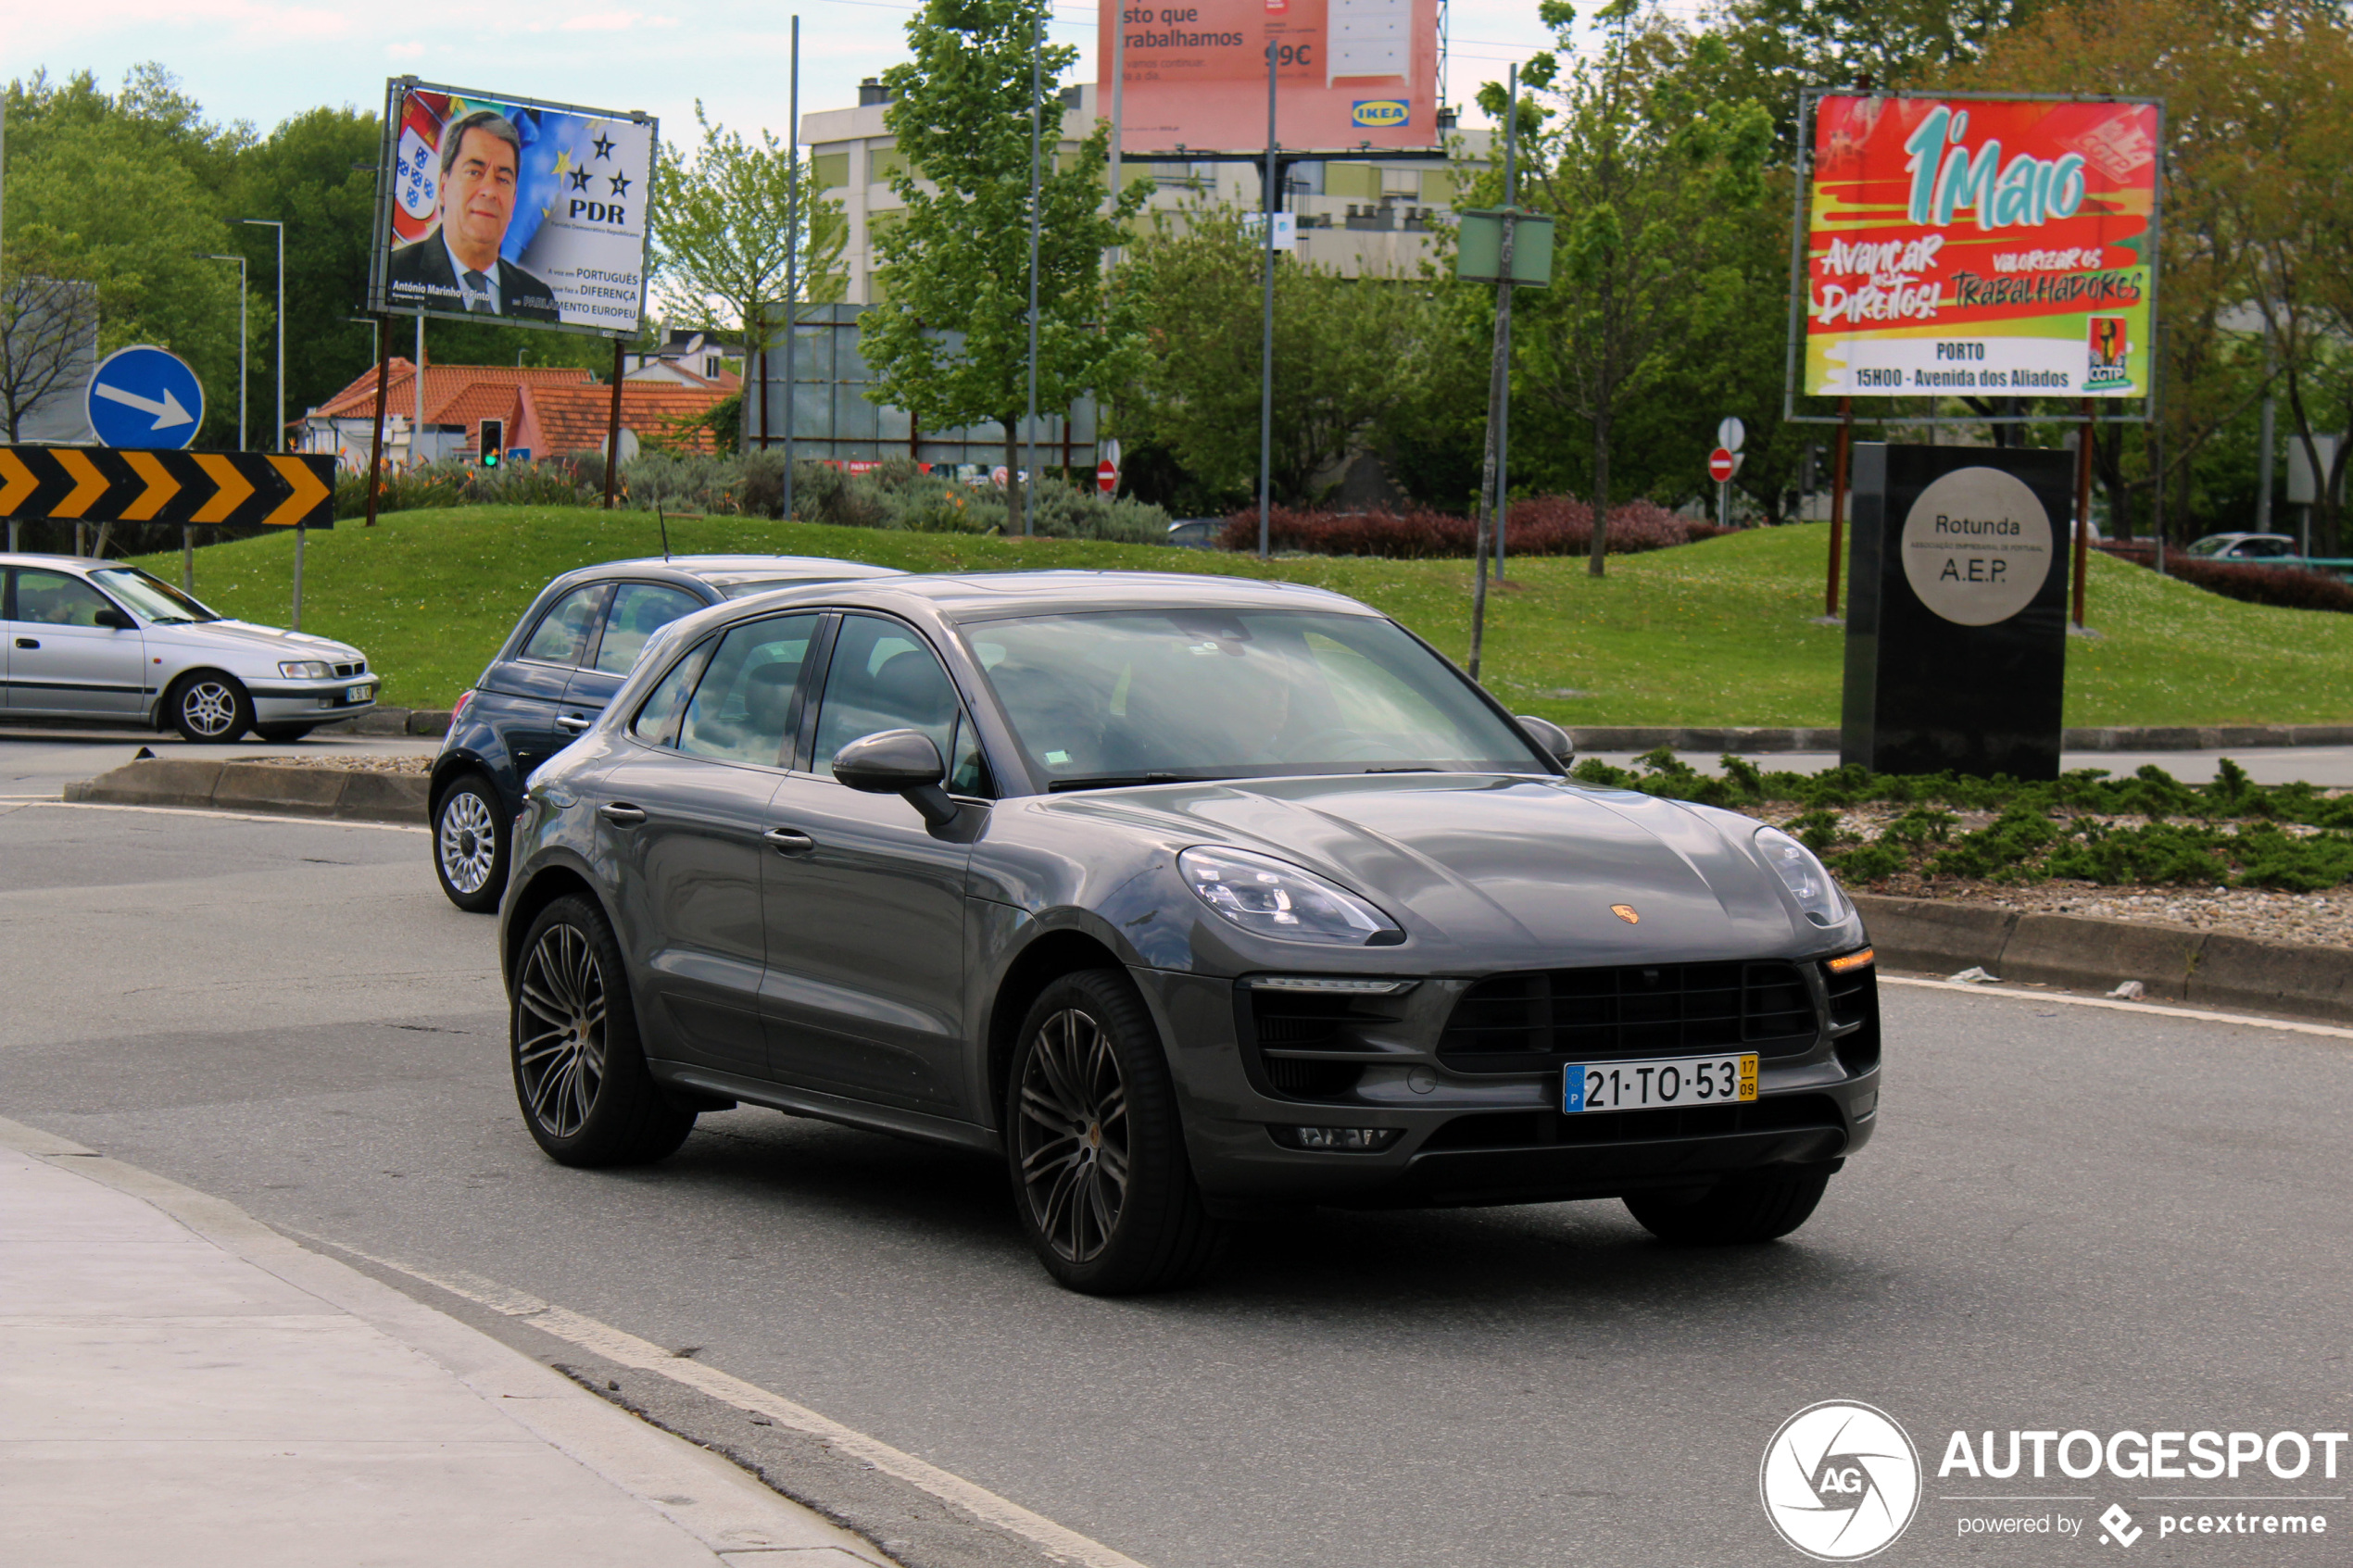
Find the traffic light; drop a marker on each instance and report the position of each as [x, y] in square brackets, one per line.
[493, 443]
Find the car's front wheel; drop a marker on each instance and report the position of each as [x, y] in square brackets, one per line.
[209, 708]
[1747, 1206]
[470, 845]
[580, 1072]
[1101, 1179]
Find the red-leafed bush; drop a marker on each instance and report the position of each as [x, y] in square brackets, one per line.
[1546, 525]
[2285, 587]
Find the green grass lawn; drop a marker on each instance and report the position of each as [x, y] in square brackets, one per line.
[1719, 632]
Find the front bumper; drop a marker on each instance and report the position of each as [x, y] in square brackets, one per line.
[316, 702]
[1478, 1138]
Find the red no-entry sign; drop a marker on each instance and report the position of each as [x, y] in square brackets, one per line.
[1106, 476]
[1721, 465]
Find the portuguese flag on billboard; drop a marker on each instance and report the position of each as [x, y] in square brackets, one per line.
[1981, 248]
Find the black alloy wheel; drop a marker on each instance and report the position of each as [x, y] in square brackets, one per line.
[580, 1072]
[469, 835]
[1102, 1182]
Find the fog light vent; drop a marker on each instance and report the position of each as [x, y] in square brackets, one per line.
[1337, 1140]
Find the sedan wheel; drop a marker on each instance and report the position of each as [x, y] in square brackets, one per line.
[469, 847]
[210, 708]
[1097, 1150]
[580, 1073]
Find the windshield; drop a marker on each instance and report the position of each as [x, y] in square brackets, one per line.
[154, 600]
[1143, 696]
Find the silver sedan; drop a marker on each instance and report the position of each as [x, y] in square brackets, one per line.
[94, 639]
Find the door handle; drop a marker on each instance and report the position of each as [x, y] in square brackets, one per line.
[621, 815]
[28, 641]
[789, 842]
[574, 722]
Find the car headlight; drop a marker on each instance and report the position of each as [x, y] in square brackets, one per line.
[1809, 881]
[1271, 898]
[305, 670]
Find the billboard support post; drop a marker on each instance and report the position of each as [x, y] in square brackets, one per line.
[2083, 508]
[376, 444]
[1269, 199]
[613, 425]
[1838, 502]
[295, 621]
[792, 269]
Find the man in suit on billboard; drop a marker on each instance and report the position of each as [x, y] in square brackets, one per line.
[457, 265]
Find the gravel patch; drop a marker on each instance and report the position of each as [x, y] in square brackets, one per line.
[348, 762]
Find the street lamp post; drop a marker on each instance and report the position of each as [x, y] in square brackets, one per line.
[279, 444]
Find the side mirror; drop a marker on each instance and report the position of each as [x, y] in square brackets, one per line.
[901, 762]
[1549, 738]
[117, 620]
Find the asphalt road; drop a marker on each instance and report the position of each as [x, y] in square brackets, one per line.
[2071, 1218]
[39, 762]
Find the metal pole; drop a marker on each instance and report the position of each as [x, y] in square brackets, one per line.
[295, 622]
[242, 344]
[1497, 372]
[2083, 508]
[1029, 426]
[417, 421]
[1504, 416]
[2157, 490]
[613, 425]
[1118, 103]
[1838, 502]
[2263, 440]
[792, 268]
[376, 447]
[1267, 331]
[187, 557]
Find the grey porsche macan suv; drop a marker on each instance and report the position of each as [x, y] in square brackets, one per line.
[1191, 897]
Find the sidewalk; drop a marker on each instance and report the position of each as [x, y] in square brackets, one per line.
[180, 1384]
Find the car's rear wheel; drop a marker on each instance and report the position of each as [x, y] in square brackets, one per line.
[1747, 1206]
[283, 734]
[209, 708]
[580, 1072]
[1101, 1179]
[470, 845]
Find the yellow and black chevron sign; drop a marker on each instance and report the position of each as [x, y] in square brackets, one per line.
[114, 484]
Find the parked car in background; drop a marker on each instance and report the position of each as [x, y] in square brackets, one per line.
[96, 639]
[564, 659]
[2243, 547]
[1196, 532]
[1190, 897]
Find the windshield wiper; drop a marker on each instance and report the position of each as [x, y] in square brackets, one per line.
[1410, 768]
[171, 619]
[1117, 780]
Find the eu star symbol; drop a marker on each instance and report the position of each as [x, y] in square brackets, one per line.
[604, 147]
[620, 184]
[579, 178]
[564, 161]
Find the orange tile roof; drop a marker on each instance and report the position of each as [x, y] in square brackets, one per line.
[445, 386]
[572, 419]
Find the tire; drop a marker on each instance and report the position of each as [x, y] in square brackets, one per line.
[579, 1068]
[283, 734]
[208, 708]
[1095, 1147]
[1743, 1208]
[470, 832]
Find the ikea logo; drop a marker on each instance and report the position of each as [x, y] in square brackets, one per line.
[1378, 114]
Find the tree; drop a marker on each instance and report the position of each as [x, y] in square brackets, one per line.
[1344, 348]
[1646, 182]
[724, 229]
[950, 342]
[49, 330]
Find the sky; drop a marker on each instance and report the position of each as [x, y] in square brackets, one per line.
[266, 60]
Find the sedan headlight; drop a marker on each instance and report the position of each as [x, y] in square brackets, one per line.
[305, 670]
[1806, 878]
[1271, 898]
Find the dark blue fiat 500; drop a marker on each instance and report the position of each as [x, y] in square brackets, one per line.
[561, 665]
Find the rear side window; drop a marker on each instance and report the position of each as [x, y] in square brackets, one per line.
[657, 721]
[742, 707]
[639, 609]
[562, 632]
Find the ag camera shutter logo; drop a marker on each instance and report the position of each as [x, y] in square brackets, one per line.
[1383, 114]
[1841, 1480]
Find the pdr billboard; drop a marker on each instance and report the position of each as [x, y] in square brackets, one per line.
[1348, 74]
[505, 206]
[1981, 248]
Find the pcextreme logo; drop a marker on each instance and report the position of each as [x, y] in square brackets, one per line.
[1841, 1480]
[1383, 114]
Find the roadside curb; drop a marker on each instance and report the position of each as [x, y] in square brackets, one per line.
[393, 721]
[2175, 963]
[2111, 738]
[271, 788]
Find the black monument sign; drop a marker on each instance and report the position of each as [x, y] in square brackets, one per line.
[1957, 619]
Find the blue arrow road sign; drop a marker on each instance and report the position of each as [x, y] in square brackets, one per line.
[144, 396]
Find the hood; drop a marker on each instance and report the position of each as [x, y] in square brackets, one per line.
[1496, 864]
[275, 641]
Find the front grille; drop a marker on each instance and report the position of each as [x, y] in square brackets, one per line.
[1291, 1030]
[343, 671]
[1545, 1129]
[1521, 1022]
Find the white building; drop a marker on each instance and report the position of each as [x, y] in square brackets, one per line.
[1368, 215]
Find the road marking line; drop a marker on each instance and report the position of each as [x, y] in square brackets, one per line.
[616, 1344]
[2202, 1015]
[224, 816]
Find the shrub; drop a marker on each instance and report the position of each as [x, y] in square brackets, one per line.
[1546, 525]
[2285, 587]
[565, 481]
